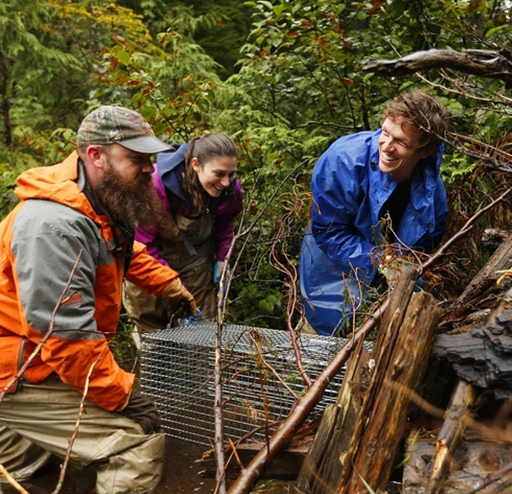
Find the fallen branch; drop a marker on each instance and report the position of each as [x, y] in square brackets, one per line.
[284, 434]
[485, 63]
[450, 434]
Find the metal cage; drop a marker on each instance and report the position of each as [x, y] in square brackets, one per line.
[260, 378]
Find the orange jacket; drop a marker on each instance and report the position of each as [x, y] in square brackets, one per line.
[40, 241]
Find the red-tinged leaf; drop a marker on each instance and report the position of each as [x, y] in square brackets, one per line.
[133, 83]
[292, 35]
[119, 39]
[146, 91]
[346, 80]
[151, 84]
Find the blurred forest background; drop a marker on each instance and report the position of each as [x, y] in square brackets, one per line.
[284, 78]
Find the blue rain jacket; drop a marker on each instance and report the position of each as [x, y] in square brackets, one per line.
[349, 191]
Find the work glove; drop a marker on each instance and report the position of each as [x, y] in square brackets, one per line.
[217, 271]
[143, 411]
[191, 319]
[180, 302]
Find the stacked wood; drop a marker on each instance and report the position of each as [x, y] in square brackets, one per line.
[481, 356]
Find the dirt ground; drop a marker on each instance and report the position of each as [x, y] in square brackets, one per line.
[181, 476]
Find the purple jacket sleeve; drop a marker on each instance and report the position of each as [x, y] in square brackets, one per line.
[224, 222]
[147, 235]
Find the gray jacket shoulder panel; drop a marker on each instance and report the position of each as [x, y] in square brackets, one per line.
[48, 238]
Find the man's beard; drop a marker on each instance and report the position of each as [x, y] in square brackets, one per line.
[132, 201]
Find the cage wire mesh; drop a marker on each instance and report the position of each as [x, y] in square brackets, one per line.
[260, 378]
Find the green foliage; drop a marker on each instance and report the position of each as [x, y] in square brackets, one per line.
[300, 84]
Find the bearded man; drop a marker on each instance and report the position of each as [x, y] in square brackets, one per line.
[64, 253]
[390, 176]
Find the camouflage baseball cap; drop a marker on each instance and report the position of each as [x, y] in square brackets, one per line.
[115, 124]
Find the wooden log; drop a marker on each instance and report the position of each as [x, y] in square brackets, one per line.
[326, 462]
[484, 280]
[453, 428]
[374, 450]
[332, 437]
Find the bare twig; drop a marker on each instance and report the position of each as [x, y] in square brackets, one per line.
[257, 345]
[12, 480]
[31, 357]
[291, 271]
[224, 285]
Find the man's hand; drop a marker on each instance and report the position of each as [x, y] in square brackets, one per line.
[180, 302]
[143, 411]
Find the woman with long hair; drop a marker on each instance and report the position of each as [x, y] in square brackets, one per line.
[201, 197]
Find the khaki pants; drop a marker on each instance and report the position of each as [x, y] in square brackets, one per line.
[39, 419]
[149, 313]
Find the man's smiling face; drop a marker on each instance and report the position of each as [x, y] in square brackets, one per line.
[398, 149]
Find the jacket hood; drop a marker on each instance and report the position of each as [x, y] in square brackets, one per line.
[170, 165]
[57, 183]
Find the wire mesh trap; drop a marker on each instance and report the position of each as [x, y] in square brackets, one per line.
[260, 378]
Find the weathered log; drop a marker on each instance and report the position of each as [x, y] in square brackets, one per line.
[483, 281]
[327, 463]
[395, 377]
[483, 354]
[450, 434]
[485, 63]
[333, 435]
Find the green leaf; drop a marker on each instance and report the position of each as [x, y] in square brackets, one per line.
[124, 57]
[267, 4]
